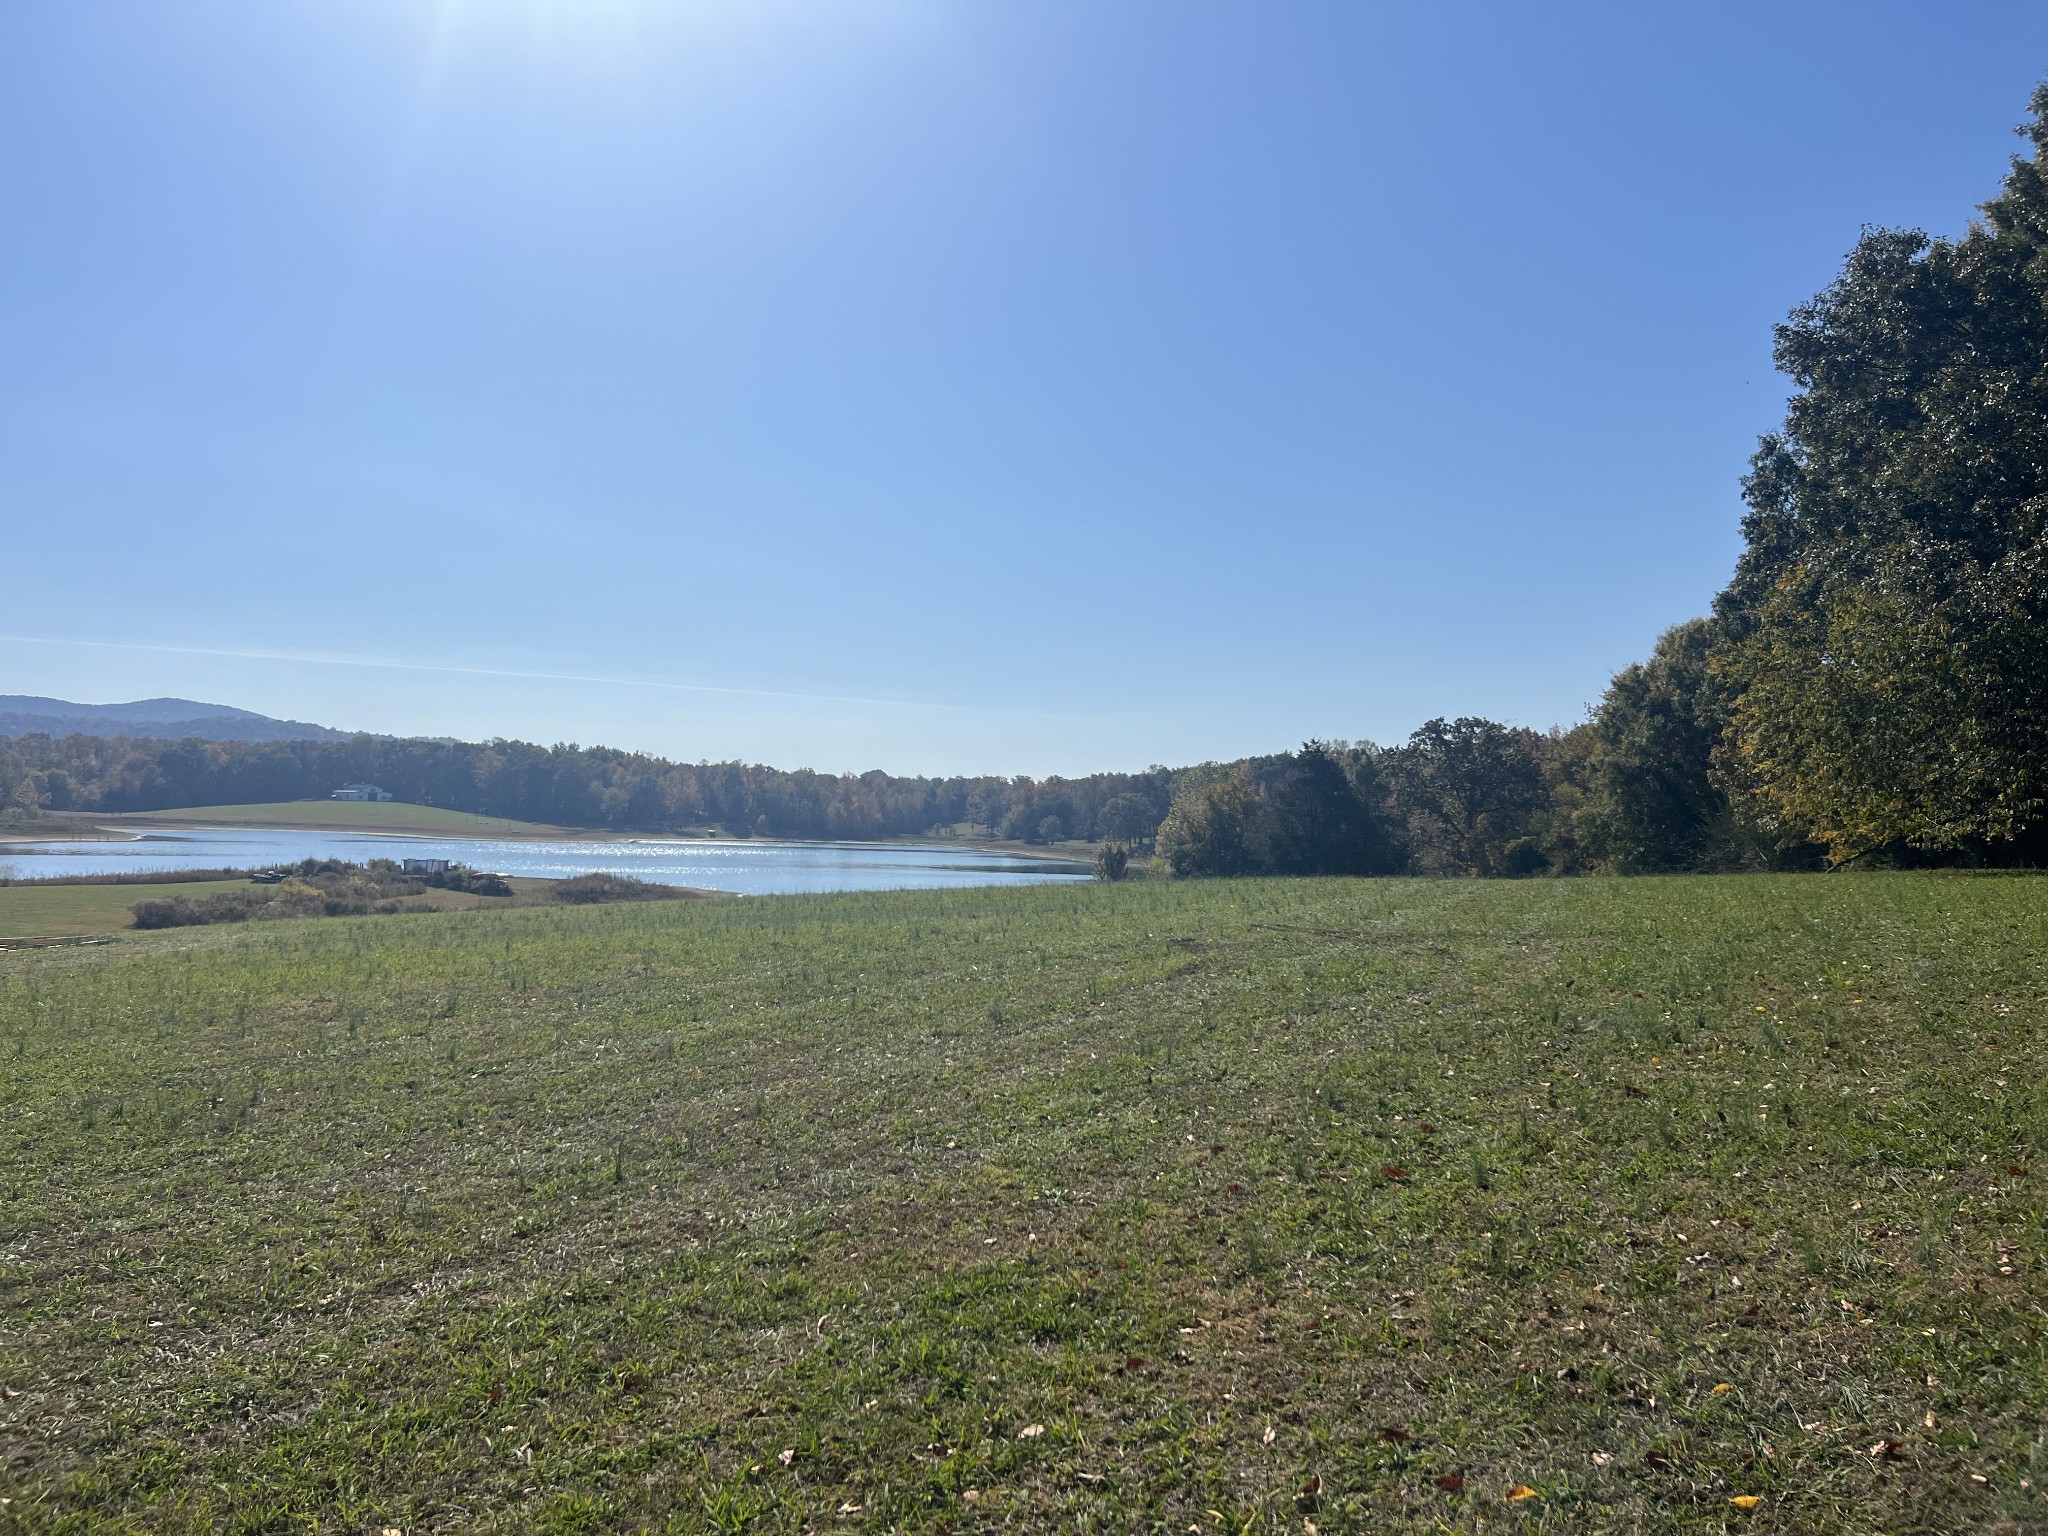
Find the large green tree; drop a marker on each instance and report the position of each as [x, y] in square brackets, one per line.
[1886, 634]
[1321, 825]
[1217, 826]
[1650, 801]
[1470, 789]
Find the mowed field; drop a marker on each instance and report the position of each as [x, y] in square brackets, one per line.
[347, 816]
[1600, 1205]
[69, 911]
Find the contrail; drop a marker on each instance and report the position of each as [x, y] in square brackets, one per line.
[342, 659]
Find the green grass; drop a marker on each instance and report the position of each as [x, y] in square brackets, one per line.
[1230, 1207]
[67, 911]
[71, 911]
[352, 815]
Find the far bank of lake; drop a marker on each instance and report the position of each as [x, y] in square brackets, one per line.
[752, 867]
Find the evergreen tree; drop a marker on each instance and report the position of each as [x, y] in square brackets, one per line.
[1320, 825]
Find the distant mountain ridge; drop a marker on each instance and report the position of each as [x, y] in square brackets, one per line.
[156, 719]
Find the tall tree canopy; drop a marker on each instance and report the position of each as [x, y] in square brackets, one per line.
[1651, 802]
[1320, 823]
[1319, 811]
[1217, 827]
[1886, 656]
[1470, 788]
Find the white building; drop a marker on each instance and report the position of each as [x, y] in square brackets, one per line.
[360, 792]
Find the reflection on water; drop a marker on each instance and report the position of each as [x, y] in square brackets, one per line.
[757, 867]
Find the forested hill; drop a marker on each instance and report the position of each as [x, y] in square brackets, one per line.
[570, 786]
[165, 719]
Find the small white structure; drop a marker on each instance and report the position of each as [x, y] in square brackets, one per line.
[360, 792]
[428, 866]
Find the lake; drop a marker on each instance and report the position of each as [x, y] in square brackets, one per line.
[755, 867]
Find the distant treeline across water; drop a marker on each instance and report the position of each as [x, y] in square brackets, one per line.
[573, 787]
[1467, 796]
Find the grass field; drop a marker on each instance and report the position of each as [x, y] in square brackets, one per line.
[349, 816]
[66, 911]
[1591, 1205]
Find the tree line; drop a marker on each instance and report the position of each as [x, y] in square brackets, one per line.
[573, 786]
[1461, 797]
[1871, 686]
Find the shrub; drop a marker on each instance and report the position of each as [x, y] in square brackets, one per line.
[189, 912]
[599, 886]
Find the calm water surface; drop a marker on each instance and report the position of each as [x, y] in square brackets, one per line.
[758, 867]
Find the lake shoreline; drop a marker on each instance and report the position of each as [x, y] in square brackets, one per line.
[132, 826]
[743, 866]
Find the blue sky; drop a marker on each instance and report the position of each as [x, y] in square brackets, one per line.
[1004, 386]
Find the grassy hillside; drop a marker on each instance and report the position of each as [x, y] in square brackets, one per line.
[352, 816]
[64, 911]
[1390, 1206]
